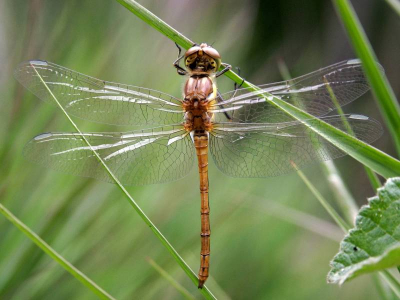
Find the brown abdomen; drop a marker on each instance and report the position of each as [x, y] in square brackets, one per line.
[201, 145]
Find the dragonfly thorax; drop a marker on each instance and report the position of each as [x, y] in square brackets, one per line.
[199, 93]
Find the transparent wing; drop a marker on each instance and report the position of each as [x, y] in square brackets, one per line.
[263, 150]
[98, 100]
[136, 158]
[308, 92]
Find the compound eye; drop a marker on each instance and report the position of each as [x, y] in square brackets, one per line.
[192, 50]
[211, 52]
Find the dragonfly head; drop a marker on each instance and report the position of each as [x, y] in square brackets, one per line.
[202, 59]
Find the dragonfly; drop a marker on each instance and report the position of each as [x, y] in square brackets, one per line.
[245, 134]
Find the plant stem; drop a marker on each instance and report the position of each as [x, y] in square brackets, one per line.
[54, 255]
[384, 94]
[205, 291]
[392, 281]
[156, 23]
[184, 292]
[382, 289]
[331, 211]
[373, 178]
[342, 195]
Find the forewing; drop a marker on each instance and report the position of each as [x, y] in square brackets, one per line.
[264, 150]
[308, 92]
[136, 158]
[98, 100]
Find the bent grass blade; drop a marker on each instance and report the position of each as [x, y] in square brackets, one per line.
[373, 178]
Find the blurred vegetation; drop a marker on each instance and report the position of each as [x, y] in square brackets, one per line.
[271, 238]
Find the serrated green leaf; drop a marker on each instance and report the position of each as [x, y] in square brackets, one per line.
[374, 244]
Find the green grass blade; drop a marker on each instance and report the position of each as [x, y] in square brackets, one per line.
[54, 255]
[392, 281]
[381, 88]
[331, 211]
[381, 287]
[342, 195]
[373, 178]
[156, 23]
[184, 292]
[205, 291]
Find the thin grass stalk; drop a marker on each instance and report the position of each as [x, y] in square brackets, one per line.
[295, 217]
[381, 88]
[28, 259]
[392, 281]
[155, 22]
[331, 211]
[102, 294]
[382, 288]
[373, 178]
[342, 195]
[184, 292]
[205, 291]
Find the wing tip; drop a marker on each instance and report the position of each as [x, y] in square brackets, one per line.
[358, 117]
[19, 70]
[42, 136]
[376, 124]
[38, 62]
[354, 61]
[34, 62]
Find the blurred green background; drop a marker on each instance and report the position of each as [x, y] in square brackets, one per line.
[270, 237]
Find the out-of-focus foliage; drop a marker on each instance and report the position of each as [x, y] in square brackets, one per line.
[261, 249]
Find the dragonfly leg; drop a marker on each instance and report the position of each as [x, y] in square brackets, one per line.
[179, 69]
[221, 99]
[235, 85]
[226, 69]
